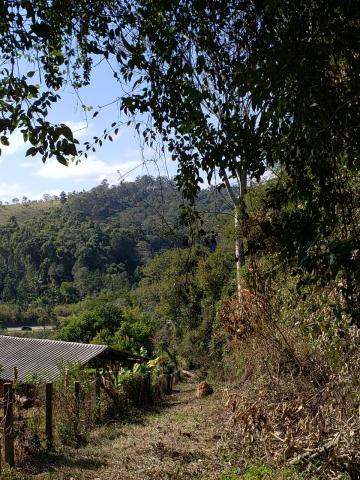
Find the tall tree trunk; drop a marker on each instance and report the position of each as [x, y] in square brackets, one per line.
[239, 250]
[239, 214]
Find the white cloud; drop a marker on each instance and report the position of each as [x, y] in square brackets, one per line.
[8, 191]
[79, 129]
[17, 144]
[28, 164]
[89, 168]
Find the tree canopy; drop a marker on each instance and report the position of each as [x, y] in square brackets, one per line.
[236, 86]
[226, 82]
[95, 241]
[44, 46]
[229, 87]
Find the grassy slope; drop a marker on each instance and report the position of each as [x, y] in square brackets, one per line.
[24, 212]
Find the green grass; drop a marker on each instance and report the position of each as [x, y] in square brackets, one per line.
[184, 417]
[260, 472]
[47, 334]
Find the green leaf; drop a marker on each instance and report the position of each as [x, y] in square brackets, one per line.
[31, 151]
[61, 159]
[66, 132]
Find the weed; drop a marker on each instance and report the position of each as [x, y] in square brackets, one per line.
[13, 474]
[228, 457]
[260, 472]
[257, 472]
[231, 473]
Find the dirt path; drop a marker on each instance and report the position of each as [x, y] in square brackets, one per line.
[183, 440]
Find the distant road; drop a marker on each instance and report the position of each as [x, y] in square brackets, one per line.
[33, 328]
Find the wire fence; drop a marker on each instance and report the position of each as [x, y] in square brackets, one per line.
[36, 418]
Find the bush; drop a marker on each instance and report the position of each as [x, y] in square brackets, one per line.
[12, 474]
[88, 324]
[136, 387]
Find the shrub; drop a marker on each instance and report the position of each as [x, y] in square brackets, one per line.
[297, 362]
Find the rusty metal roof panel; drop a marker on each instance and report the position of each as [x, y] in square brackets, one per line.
[42, 358]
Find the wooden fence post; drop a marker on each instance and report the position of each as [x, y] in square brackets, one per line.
[66, 378]
[148, 392]
[9, 425]
[77, 403]
[168, 383]
[97, 396]
[172, 381]
[15, 375]
[49, 413]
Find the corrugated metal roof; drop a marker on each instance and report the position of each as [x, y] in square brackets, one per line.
[44, 358]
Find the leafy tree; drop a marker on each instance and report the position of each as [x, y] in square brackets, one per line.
[176, 283]
[105, 318]
[233, 88]
[68, 292]
[43, 45]
[244, 86]
[181, 289]
[191, 88]
[169, 287]
[63, 197]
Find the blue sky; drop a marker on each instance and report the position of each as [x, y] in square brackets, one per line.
[28, 176]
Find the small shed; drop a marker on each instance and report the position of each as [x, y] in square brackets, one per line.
[46, 359]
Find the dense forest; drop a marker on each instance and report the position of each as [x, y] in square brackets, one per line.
[91, 239]
[93, 242]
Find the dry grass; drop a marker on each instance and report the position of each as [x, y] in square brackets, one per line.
[24, 212]
[297, 398]
[182, 439]
[298, 401]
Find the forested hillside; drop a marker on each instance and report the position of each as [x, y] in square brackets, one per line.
[91, 242]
